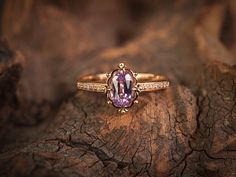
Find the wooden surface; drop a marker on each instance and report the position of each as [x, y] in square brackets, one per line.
[50, 129]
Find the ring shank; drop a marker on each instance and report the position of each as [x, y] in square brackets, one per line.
[140, 77]
[146, 82]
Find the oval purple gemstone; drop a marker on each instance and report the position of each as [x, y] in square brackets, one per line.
[121, 85]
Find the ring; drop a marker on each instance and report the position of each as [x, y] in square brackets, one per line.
[122, 86]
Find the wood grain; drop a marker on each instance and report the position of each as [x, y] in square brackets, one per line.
[50, 129]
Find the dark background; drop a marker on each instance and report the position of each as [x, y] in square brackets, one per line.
[46, 45]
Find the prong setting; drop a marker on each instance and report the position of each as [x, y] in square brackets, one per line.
[108, 75]
[121, 66]
[123, 110]
[122, 85]
[121, 89]
[137, 88]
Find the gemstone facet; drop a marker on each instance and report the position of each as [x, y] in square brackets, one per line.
[121, 84]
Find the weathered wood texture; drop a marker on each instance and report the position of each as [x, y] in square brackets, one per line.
[50, 129]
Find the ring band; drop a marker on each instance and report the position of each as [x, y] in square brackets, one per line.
[122, 85]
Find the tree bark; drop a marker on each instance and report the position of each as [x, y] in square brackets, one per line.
[50, 129]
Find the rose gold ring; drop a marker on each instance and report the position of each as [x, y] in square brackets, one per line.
[122, 86]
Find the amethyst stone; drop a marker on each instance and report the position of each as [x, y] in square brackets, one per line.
[121, 83]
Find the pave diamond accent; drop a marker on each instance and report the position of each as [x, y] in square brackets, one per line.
[122, 86]
[96, 87]
[149, 86]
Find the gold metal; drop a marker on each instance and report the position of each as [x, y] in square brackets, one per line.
[145, 82]
[123, 110]
[121, 65]
[108, 75]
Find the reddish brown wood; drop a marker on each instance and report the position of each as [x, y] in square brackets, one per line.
[50, 129]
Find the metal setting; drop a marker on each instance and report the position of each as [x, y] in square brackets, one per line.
[122, 86]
